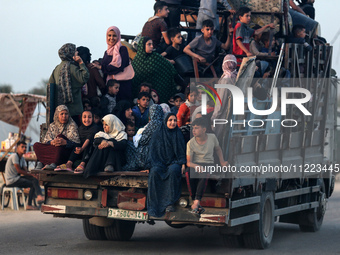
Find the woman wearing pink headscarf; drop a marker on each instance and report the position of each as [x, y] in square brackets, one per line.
[116, 64]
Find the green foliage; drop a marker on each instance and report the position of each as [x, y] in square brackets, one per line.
[5, 88]
[40, 89]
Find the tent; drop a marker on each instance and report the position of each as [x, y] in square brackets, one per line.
[17, 110]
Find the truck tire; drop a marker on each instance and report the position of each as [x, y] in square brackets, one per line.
[311, 220]
[120, 230]
[261, 235]
[93, 232]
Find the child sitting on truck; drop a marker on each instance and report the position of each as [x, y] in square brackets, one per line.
[131, 150]
[203, 47]
[242, 33]
[200, 154]
[141, 110]
[299, 34]
[176, 48]
[86, 134]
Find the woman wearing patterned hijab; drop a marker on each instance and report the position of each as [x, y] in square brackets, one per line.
[60, 139]
[116, 64]
[110, 145]
[151, 67]
[70, 76]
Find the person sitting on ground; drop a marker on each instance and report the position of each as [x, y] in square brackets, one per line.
[108, 154]
[156, 28]
[200, 154]
[16, 175]
[242, 33]
[69, 78]
[179, 99]
[154, 96]
[109, 100]
[189, 106]
[151, 67]
[131, 150]
[176, 47]
[298, 36]
[123, 111]
[144, 87]
[141, 110]
[167, 156]
[96, 81]
[86, 133]
[116, 64]
[203, 47]
[60, 140]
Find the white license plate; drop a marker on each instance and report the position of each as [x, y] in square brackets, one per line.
[127, 214]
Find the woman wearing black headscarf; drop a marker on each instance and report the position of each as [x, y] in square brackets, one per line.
[123, 111]
[167, 155]
[69, 79]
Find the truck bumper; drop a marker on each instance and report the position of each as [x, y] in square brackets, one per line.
[75, 211]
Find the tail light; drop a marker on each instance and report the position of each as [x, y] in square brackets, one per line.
[218, 202]
[65, 193]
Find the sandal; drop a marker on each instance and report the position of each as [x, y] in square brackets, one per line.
[80, 169]
[201, 209]
[195, 211]
[63, 167]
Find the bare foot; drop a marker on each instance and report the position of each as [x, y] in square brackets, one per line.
[145, 171]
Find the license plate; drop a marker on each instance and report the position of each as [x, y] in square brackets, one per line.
[127, 214]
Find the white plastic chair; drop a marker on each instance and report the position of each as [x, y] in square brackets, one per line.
[13, 197]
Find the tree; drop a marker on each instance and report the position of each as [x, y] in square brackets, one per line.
[5, 88]
[40, 89]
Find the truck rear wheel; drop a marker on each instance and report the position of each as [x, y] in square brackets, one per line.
[93, 232]
[311, 220]
[120, 230]
[261, 235]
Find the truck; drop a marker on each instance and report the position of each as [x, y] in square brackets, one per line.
[282, 173]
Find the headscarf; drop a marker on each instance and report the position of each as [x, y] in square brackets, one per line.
[70, 129]
[154, 69]
[114, 50]
[120, 109]
[88, 132]
[167, 146]
[229, 66]
[66, 53]
[116, 130]
[156, 117]
[165, 108]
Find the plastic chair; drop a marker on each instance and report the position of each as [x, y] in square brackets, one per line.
[13, 197]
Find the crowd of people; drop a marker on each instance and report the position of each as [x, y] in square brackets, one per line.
[115, 114]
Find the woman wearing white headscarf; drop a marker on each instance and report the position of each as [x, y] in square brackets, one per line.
[228, 77]
[108, 154]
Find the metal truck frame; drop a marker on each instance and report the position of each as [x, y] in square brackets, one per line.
[242, 205]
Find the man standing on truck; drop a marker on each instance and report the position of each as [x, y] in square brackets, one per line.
[16, 175]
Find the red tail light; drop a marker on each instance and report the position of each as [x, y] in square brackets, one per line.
[65, 193]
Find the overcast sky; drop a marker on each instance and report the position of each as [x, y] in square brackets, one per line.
[32, 31]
